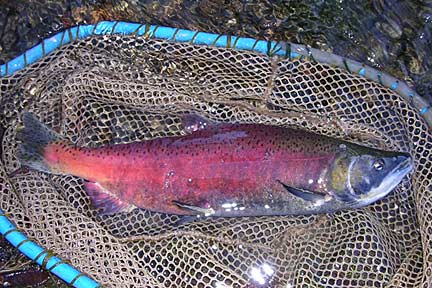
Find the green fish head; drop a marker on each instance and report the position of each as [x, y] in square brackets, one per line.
[361, 179]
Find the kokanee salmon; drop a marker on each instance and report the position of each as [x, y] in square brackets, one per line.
[220, 169]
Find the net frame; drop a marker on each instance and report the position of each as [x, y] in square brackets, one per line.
[270, 48]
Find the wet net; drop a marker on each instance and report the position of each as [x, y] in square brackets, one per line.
[119, 89]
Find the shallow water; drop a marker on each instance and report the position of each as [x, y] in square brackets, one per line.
[394, 36]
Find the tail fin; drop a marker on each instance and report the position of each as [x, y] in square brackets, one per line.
[34, 136]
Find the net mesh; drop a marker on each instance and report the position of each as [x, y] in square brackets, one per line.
[120, 89]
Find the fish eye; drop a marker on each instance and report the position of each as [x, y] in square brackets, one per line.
[378, 165]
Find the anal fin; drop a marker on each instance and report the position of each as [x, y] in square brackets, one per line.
[303, 194]
[105, 201]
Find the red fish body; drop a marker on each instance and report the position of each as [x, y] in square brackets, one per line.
[224, 163]
[223, 170]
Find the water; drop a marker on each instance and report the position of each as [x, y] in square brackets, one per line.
[394, 36]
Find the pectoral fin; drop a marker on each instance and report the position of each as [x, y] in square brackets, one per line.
[303, 194]
[105, 201]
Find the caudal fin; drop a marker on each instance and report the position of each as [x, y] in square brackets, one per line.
[33, 137]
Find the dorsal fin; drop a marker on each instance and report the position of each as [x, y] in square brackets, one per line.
[194, 122]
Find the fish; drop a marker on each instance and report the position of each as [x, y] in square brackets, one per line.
[219, 169]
